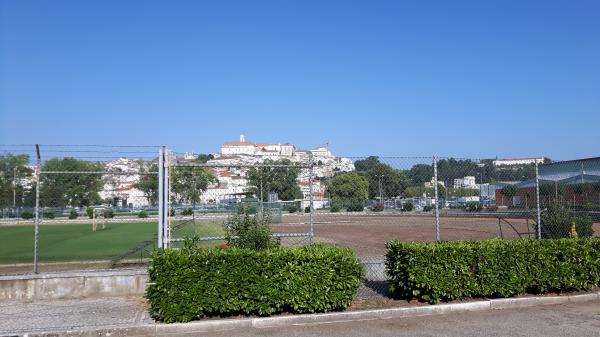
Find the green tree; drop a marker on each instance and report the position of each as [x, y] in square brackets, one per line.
[70, 189]
[420, 173]
[348, 188]
[11, 166]
[393, 182]
[280, 180]
[188, 183]
[148, 183]
[203, 158]
[366, 164]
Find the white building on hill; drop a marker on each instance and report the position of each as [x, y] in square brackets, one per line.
[466, 182]
[517, 161]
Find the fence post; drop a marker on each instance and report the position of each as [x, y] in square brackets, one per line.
[36, 235]
[161, 197]
[167, 205]
[437, 209]
[537, 196]
[310, 191]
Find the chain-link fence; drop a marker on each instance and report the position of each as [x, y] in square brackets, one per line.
[210, 199]
[101, 205]
[95, 207]
[569, 197]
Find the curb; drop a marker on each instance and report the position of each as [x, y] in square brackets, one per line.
[161, 329]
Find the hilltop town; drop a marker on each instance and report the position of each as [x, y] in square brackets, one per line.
[231, 171]
[231, 175]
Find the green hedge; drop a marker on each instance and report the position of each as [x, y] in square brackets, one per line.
[492, 268]
[191, 283]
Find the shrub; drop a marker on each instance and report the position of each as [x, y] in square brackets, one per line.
[473, 207]
[249, 231]
[408, 206]
[334, 208]
[378, 207]
[107, 212]
[191, 283]
[27, 215]
[48, 215]
[355, 206]
[427, 208]
[73, 214]
[187, 211]
[247, 209]
[142, 214]
[292, 208]
[583, 225]
[558, 220]
[491, 268]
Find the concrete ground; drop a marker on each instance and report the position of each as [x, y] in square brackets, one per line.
[572, 319]
[60, 315]
[581, 319]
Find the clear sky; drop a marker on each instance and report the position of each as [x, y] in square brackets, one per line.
[392, 78]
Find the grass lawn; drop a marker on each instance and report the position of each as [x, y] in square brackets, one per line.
[77, 242]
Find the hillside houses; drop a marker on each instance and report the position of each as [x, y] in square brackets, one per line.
[232, 180]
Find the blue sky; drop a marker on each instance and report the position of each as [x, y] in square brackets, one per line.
[393, 78]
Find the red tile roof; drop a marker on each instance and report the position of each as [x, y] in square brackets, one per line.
[237, 144]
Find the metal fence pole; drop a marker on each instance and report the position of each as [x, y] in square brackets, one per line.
[437, 208]
[167, 205]
[310, 191]
[537, 196]
[36, 235]
[161, 196]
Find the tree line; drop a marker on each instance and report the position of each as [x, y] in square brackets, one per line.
[370, 179]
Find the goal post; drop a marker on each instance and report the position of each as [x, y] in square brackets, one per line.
[96, 211]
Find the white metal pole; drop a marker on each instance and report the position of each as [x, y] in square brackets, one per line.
[161, 196]
[36, 235]
[310, 191]
[437, 210]
[15, 189]
[537, 195]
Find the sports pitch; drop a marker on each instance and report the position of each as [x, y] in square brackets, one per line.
[77, 242]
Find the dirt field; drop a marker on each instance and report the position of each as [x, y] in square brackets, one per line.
[367, 234]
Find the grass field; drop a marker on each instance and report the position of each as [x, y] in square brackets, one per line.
[77, 242]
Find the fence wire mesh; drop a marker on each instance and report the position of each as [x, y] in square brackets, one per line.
[210, 199]
[98, 205]
[95, 207]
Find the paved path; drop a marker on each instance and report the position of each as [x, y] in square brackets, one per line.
[63, 315]
[581, 320]
[574, 319]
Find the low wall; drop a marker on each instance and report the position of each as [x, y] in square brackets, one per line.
[71, 285]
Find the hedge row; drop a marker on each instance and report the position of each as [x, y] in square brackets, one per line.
[191, 283]
[492, 268]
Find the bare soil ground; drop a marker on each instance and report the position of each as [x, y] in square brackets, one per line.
[367, 234]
